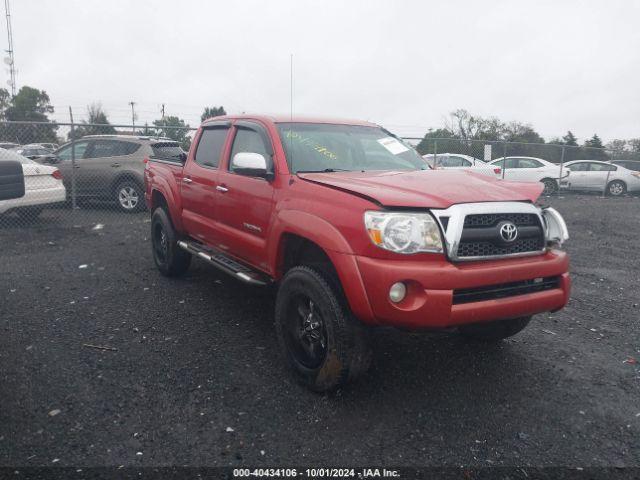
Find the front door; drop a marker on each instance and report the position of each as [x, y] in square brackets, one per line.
[71, 174]
[244, 204]
[199, 182]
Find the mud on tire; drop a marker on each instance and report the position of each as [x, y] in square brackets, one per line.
[323, 344]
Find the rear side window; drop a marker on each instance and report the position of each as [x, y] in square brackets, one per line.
[600, 167]
[454, 161]
[111, 148]
[528, 163]
[210, 146]
[166, 150]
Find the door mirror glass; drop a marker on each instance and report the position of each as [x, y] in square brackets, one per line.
[250, 164]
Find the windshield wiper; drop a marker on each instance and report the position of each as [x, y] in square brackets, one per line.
[326, 170]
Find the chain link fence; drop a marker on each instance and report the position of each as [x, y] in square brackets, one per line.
[84, 173]
[81, 174]
[561, 168]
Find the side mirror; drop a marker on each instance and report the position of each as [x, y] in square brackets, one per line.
[182, 157]
[11, 180]
[250, 164]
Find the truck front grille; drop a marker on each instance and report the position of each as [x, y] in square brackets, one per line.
[486, 249]
[481, 235]
[493, 292]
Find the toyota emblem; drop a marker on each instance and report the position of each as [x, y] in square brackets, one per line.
[508, 232]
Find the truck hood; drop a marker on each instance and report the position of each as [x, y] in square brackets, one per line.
[426, 188]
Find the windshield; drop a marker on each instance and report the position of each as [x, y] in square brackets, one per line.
[312, 147]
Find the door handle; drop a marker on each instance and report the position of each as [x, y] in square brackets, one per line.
[115, 164]
[187, 180]
[76, 166]
[222, 189]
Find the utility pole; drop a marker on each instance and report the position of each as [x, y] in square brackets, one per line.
[162, 110]
[133, 118]
[9, 60]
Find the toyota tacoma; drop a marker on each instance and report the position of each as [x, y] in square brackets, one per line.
[355, 231]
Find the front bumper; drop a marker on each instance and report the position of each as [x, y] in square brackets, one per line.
[430, 289]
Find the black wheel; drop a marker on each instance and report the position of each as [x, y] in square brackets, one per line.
[616, 188]
[170, 259]
[129, 196]
[494, 331]
[322, 342]
[550, 186]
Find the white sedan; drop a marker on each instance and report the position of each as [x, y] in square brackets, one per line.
[531, 169]
[43, 186]
[594, 175]
[458, 161]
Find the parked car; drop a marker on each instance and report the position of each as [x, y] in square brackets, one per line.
[594, 175]
[36, 152]
[110, 167]
[43, 187]
[531, 169]
[633, 165]
[355, 230]
[458, 161]
[11, 180]
[8, 145]
[50, 146]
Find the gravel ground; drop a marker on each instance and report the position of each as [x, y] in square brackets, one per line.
[197, 379]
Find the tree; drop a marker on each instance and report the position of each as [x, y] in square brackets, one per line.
[32, 105]
[594, 142]
[175, 129]
[97, 123]
[570, 139]
[5, 102]
[594, 149]
[212, 112]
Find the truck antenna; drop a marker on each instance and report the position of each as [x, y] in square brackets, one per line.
[291, 112]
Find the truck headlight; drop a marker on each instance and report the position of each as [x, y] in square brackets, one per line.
[555, 227]
[403, 232]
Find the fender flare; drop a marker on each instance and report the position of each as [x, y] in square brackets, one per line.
[174, 203]
[334, 244]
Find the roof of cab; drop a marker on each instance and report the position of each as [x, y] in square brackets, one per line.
[289, 119]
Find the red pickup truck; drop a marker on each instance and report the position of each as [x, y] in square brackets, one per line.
[356, 231]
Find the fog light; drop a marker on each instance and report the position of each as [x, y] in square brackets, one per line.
[397, 292]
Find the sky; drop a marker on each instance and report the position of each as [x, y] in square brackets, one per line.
[558, 65]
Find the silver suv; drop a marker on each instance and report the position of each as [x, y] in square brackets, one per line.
[111, 167]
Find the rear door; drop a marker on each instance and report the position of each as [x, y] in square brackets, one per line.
[599, 174]
[245, 203]
[199, 181]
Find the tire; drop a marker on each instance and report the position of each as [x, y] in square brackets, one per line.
[326, 353]
[494, 331]
[129, 196]
[170, 259]
[550, 186]
[616, 188]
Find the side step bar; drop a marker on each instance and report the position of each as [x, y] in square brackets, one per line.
[225, 263]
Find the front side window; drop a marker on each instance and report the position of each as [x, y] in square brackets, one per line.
[579, 167]
[65, 152]
[311, 147]
[210, 146]
[247, 140]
